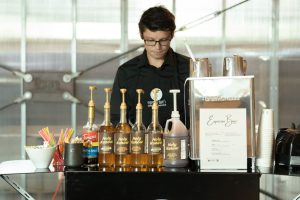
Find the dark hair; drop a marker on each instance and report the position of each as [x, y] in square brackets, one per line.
[157, 19]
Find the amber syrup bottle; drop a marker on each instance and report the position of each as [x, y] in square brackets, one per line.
[122, 137]
[139, 158]
[106, 156]
[90, 135]
[155, 137]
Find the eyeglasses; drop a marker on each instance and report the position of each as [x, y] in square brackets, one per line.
[165, 42]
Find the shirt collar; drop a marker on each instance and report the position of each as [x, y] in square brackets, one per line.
[169, 60]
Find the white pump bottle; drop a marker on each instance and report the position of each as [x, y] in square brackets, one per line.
[175, 139]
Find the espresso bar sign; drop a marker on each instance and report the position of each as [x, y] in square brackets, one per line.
[223, 138]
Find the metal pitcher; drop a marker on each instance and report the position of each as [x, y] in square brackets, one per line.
[200, 67]
[234, 66]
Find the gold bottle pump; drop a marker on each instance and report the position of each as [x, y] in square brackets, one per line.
[155, 108]
[139, 108]
[91, 108]
[107, 107]
[123, 106]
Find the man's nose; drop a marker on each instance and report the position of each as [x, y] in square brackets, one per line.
[157, 45]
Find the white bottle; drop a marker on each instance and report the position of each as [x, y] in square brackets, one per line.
[176, 139]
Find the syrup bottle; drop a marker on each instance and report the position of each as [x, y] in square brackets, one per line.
[137, 137]
[90, 135]
[155, 137]
[106, 156]
[122, 137]
[175, 139]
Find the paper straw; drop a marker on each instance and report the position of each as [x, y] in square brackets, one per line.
[61, 137]
[64, 136]
[46, 136]
[70, 132]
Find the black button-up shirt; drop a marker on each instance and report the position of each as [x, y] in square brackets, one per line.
[137, 73]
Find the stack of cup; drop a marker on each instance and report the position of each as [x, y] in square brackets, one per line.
[265, 141]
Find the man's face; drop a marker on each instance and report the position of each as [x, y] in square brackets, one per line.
[155, 49]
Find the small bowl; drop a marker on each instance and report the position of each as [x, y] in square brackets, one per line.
[40, 156]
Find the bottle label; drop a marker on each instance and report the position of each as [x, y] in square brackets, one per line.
[106, 142]
[155, 141]
[137, 142]
[121, 141]
[175, 148]
[90, 152]
[90, 144]
[91, 136]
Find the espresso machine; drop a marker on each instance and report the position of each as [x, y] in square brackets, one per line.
[233, 90]
[287, 147]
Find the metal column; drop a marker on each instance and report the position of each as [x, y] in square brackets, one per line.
[124, 26]
[23, 69]
[274, 67]
[74, 62]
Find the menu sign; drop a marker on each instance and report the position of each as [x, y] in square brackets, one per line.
[223, 138]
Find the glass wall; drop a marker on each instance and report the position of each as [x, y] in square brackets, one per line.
[10, 60]
[49, 39]
[54, 37]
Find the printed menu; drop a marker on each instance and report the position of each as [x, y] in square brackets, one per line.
[223, 138]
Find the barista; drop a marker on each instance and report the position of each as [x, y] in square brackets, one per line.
[157, 67]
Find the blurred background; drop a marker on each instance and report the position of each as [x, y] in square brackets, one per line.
[49, 40]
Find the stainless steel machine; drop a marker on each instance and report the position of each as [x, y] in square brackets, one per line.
[228, 91]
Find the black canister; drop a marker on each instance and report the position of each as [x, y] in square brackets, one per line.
[73, 155]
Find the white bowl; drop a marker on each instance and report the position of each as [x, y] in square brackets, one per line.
[40, 156]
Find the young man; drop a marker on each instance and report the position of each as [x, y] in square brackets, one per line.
[158, 67]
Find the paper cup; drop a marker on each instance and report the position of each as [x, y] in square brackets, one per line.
[266, 120]
[265, 139]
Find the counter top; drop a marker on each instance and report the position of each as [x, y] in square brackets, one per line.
[165, 181]
[27, 167]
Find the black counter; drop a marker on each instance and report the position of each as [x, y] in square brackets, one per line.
[165, 184]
